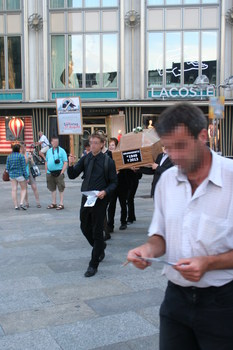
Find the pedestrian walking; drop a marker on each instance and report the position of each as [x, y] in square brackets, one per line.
[192, 224]
[55, 167]
[99, 175]
[32, 180]
[16, 167]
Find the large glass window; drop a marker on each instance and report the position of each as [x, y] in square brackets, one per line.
[92, 3]
[109, 3]
[92, 61]
[209, 55]
[14, 63]
[13, 4]
[54, 4]
[74, 3]
[2, 65]
[58, 73]
[173, 58]
[75, 64]
[191, 57]
[155, 59]
[1, 5]
[110, 60]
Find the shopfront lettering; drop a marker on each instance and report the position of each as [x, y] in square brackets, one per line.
[183, 92]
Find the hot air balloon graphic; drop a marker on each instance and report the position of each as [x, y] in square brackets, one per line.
[16, 126]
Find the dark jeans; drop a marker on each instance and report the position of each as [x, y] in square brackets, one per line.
[92, 223]
[197, 318]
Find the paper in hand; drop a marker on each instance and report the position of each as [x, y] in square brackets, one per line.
[91, 198]
[161, 261]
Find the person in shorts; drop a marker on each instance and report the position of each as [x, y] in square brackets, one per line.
[55, 166]
[16, 167]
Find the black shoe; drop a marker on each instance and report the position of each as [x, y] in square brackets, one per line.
[23, 207]
[123, 227]
[91, 271]
[107, 236]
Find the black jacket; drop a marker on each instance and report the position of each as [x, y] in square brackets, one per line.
[98, 180]
[157, 172]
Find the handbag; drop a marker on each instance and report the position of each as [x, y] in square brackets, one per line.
[55, 173]
[5, 176]
[35, 171]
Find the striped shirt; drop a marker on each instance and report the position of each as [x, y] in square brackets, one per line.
[16, 165]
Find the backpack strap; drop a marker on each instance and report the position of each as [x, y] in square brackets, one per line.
[106, 167]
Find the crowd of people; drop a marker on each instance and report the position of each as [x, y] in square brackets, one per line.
[102, 177]
[191, 224]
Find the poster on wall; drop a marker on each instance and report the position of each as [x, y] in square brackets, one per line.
[69, 116]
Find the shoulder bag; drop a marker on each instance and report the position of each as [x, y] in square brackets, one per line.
[5, 176]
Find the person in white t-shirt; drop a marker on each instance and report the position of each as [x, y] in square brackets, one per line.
[192, 224]
[44, 144]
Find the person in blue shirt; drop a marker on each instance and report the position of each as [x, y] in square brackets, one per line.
[55, 166]
[16, 167]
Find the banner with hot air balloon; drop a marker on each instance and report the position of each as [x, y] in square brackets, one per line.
[16, 126]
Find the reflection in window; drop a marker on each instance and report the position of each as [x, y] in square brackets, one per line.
[58, 61]
[75, 64]
[209, 55]
[13, 4]
[74, 3]
[191, 57]
[173, 58]
[93, 61]
[1, 5]
[109, 3]
[54, 4]
[92, 3]
[155, 59]
[2, 65]
[14, 63]
[110, 60]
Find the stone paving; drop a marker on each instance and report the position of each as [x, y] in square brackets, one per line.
[46, 303]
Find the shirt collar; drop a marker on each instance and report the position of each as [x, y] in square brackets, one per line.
[215, 173]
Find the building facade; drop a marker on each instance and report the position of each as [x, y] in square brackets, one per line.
[127, 60]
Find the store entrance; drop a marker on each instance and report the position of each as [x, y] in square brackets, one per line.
[90, 126]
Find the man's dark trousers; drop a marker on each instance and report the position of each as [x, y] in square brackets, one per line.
[197, 318]
[92, 224]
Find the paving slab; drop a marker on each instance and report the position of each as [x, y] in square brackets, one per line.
[126, 302]
[98, 332]
[39, 340]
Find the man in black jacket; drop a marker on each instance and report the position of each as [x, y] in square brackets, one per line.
[161, 164]
[99, 175]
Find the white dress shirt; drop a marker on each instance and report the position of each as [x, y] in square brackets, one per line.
[196, 225]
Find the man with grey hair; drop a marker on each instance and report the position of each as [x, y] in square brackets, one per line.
[192, 224]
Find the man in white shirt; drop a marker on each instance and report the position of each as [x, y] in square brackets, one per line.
[44, 144]
[192, 224]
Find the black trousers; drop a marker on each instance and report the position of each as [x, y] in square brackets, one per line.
[133, 185]
[197, 318]
[112, 209]
[92, 224]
